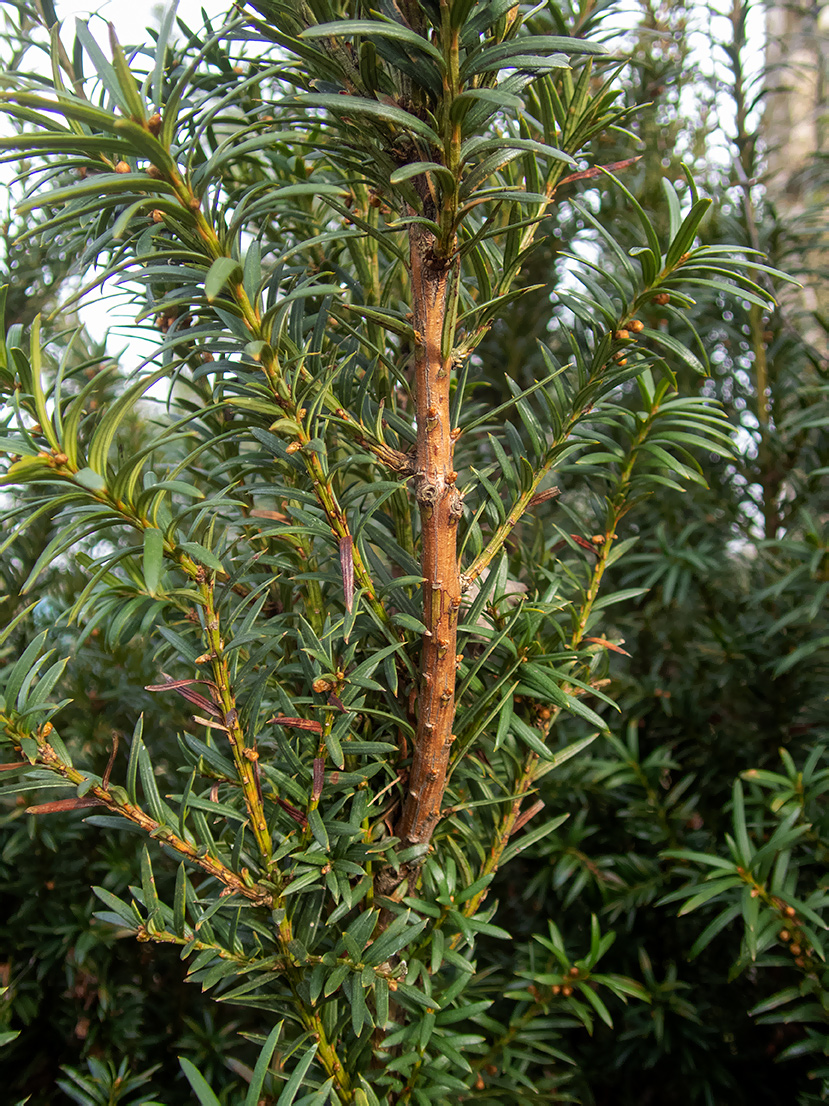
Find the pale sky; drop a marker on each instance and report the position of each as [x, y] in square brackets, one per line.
[132, 18]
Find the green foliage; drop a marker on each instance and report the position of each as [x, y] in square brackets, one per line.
[232, 538]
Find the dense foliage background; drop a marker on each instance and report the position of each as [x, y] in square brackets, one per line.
[720, 668]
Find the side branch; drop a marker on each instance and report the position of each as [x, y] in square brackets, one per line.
[115, 799]
[245, 757]
[516, 513]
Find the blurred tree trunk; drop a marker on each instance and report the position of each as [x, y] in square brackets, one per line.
[795, 125]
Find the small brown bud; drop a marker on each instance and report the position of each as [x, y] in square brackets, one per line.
[61, 458]
[620, 360]
[195, 203]
[790, 911]
[784, 935]
[621, 335]
[294, 447]
[154, 172]
[800, 962]
[556, 989]
[154, 124]
[661, 298]
[567, 990]
[158, 216]
[574, 971]
[206, 357]
[795, 949]
[636, 325]
[82, 173]
[122, 167]
[322, 684]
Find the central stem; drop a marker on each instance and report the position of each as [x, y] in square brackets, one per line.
[440, 507]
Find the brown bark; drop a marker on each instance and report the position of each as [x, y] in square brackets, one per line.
[440, 508]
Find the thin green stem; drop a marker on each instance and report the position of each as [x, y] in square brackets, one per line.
[245, 756]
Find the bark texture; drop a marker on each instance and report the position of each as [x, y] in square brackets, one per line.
[795, 131]
[440, 508]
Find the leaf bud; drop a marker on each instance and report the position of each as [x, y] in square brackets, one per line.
[154, 124]
[662, 298]
[636, 325]
[122, 167]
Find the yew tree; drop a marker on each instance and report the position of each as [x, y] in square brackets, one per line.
[369, 566]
